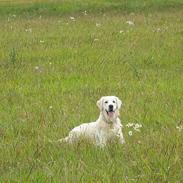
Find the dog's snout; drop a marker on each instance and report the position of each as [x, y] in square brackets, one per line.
[110, 107]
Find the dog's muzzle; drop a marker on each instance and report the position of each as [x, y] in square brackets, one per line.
[110, 108]
[110, 112]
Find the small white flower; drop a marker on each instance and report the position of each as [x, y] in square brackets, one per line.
[28, 30]
[130, 133]
[121, 31]
[180, 128]
[138, 125]
[136, 129]
[50, 63]
[130, 22]
[50, 106]
[14, 16]
[72, 18]
[139, 142]
[96, 39]
[98, 25]
[85, 12]
[36, 67]
[130, 125]
[158, 29]
[41, 41]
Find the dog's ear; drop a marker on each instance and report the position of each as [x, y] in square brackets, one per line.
[100, 103]
[119, 102]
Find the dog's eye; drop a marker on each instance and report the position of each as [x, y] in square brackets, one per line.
[106, 102]
[114, 101]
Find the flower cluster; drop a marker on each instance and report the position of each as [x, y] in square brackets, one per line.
[129, 22]
[72, 18]
[134, 126]
[179, 128]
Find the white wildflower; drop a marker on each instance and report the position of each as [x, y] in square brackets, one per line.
[41, 41]
[50, 63]
[179, 128]
[36, 67]
[139, 142]
[14, 16]
[137, 126]
[28, 30]
[130, 133]
[98, 24]
[85, 12]
[50, 106]
[130, 125]
[158, 29]
[121, 31]
[130, 22]
[96, 39]
[136, 129]
[72, 18]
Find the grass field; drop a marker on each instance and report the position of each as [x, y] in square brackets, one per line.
[57, 58]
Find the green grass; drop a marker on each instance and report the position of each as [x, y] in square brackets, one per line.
[61, 7]
[54, 61]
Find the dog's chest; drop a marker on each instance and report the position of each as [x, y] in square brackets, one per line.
[110, 132]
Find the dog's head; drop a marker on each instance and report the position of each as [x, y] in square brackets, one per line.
[109, 106]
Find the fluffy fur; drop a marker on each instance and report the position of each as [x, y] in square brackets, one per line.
[106, 128]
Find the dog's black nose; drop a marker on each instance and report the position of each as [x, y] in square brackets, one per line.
[110, 107]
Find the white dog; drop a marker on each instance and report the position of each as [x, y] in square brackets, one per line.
[107, 127]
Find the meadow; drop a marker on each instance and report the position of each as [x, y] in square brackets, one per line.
[57, 58]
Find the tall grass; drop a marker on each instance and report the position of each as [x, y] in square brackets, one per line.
[53, 70]
[57, 7]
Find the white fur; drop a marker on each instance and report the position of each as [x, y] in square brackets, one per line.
[106, 128]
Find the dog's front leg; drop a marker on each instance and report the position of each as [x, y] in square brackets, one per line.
[120, 136]
[100, 140]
